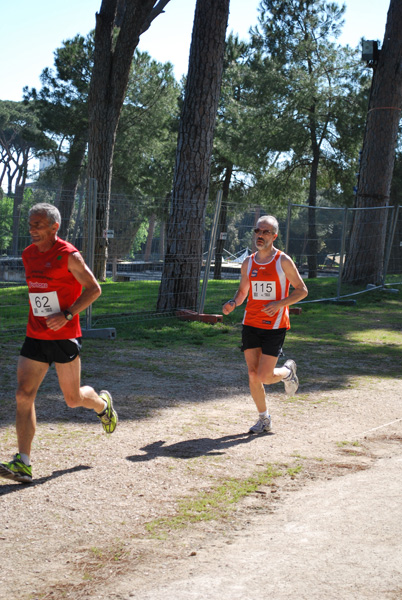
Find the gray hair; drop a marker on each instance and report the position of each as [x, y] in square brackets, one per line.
[52, 213]
[271, 220]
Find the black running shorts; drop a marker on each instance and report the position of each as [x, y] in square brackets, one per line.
[269, 340]
[48, 351]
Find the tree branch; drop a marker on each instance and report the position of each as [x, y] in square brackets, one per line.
[156, 11]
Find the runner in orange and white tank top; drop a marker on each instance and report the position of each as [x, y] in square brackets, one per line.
[267, 283]
[266, 278]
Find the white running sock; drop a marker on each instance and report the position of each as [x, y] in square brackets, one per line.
[264, 414]
[103, 409]
[25, 459]
[290, 373]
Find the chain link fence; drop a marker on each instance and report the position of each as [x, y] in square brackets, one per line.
[136, 241]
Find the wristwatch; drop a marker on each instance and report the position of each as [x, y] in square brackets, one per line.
[69, 316]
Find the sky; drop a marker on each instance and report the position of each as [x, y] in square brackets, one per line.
[31, 31]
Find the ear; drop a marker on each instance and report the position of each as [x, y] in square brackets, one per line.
[55, 227]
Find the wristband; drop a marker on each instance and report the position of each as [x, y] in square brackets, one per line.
[234, 301]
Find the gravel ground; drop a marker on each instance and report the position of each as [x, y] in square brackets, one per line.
[98, 521]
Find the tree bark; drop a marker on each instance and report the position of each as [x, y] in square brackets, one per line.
[222, 229]
[150, 237]
[365, 259]
[312, 239]
[18, 198]
[112, 61]
[71, 176]
[185, 232]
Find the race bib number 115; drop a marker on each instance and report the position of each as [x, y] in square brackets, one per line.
[44, 305]
[264, 290]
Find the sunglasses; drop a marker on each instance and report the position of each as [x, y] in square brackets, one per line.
[264, 231]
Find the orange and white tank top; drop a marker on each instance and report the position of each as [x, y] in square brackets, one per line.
[268, 283]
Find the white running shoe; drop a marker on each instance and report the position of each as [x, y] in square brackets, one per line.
[263, 424]
[291, 382]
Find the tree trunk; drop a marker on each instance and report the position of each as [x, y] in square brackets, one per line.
[185, 232]
[312, 239]
[162, 238]
[150, 237]
[112, 61]
[257, 215]
[18, 197]
[71, 176]
[365, 258]
[222, 229]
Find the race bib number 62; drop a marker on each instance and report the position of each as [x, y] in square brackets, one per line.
[264, 290]
[44, 305]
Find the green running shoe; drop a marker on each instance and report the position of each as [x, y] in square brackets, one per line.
[16, 470]
[109, 416]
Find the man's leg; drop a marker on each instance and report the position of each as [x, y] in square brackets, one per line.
[75, 395]
[268, 372]
[253, 357]
[30, 374]
[69, 375]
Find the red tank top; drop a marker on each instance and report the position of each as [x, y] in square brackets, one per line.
[267, 283]
[52, 288]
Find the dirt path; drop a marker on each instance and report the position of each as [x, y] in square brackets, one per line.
[80, 531]
[334, 539]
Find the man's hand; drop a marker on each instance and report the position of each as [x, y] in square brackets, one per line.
[272, 308]
[56, 321]
[228, 307]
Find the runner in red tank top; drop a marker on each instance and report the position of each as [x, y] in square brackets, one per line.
[60, 286]
[266, 277]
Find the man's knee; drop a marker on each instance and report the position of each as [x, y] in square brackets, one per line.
[266, 376]
[24, 396]
[72, 400]
[253, 375]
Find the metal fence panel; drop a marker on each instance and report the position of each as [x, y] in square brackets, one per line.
[136, 246]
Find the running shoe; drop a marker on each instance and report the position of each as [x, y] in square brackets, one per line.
[109, 416]
[263, 425]
[16, 470]
[291, 382]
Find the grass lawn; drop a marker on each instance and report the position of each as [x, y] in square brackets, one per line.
[372, 327]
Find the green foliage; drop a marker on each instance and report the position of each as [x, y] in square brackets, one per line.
[293, 107]
[147, 132]
[141, 237]
[316, 105]
[61, 104]
[21, 138]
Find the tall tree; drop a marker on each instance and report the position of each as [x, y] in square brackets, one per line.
[147, 133]
[63, 109]
[119, 24]
[185, 232]
[313, 77]
[21, 139]
[148, 122]
[366, 252]
[230, 154]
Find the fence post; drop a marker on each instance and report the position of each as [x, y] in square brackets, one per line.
[210, 251]
[391, 241]
[288, 227]
[90, 258]
[342, 252]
